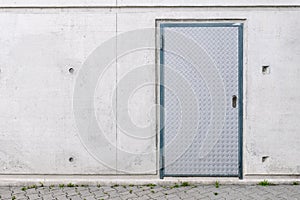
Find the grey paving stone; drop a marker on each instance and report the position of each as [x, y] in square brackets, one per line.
[31, 191]
[88, 198]
[113, 194]
[71, 193]
[172, 196]
[127, 195]
[143, 192]
[20, 195]
[98, 194]
[85, 193]
[189, 198]
[94, 189]
[23, 198]
[156, 195]
[58, 193]
[82, 189]
[61, 197]
[154, 192]
[104, 197]
[115, 198]
[77, 197]
[17, 190]
[107, 189]
[44, 191]
[33, 196]
[121, 188]
[48, 196]
[144, 197]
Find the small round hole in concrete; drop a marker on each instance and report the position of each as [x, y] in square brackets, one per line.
[71, 159]
[71, 70]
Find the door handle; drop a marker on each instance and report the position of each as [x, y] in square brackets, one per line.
[234, 101]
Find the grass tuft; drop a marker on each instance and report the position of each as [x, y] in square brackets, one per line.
[265, 183]
[217, 185]
[185, 184]
[150, 185]
[115, 185]
[70, 185]
[32, 186]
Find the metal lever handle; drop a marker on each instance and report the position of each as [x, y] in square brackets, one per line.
[234, 100]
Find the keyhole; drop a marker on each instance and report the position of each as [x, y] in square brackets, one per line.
[234, 98]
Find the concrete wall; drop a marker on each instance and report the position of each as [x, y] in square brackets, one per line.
[41, 131]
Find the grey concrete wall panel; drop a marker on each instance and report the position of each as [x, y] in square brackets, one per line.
[38, 129]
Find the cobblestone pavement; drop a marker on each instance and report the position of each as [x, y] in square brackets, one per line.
[177, 191]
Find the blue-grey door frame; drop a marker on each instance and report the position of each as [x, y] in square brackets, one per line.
[240, 92]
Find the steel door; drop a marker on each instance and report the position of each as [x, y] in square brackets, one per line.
[201, 92]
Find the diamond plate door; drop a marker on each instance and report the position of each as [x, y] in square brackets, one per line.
[201, 92]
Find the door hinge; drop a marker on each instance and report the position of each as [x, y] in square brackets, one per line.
[161, 42]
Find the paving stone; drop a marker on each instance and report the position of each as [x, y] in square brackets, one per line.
[189, 198]
[23, 198]
[82, 189]
[127, 195]
[68, 189]
[113, 194]
[283, 192]
[31, 191]
[20, 195]
[155, 195]
[61, 197]
[104, 197]
[33, 196]
[71, 193]
[58, 193]
[93, 189]
[172, 196]
[44, 191]
[115, 198]
[88, 198]
[107, 189]
[77, 197]
[121, 189]
[143, 192]
[85, 193]
[184, 195]
[17, 190]
[48, 197]
[99, 194]
[144, 197]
